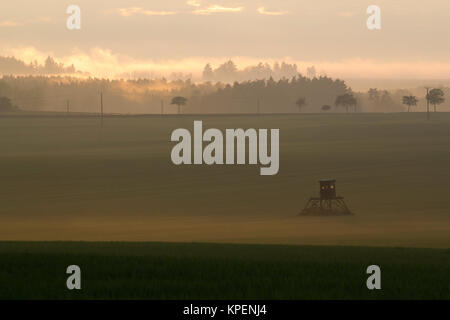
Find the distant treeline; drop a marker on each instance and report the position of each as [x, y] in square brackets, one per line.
[298, 94]
[13, 66]
[228, 72]
[272, 96]
[152, 96]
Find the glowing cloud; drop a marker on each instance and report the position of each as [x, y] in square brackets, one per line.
[218, 9]
[263, 11]
[15, 23]
[128, 12]
[101, 62]
[193, 3]
[10, 23]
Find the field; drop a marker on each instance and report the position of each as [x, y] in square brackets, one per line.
[219, 271]
[66, 178]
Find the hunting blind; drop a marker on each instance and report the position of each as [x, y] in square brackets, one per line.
[327, 204]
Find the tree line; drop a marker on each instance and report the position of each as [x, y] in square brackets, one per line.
[14, 66]
[154, 96]
[228, 72]
[143, 96]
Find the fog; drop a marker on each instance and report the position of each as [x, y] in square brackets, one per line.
[182, 36]
[416, 231]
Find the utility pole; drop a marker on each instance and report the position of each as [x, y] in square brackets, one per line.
[67, 105]
[101, 109]
[162, 107]
[428, 104]
[258, 106]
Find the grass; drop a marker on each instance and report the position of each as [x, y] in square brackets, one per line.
[219, 271]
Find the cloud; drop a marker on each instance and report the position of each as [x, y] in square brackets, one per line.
[10, 23]
[15, 23]
[101, 62]
[27, 54]
[128, 12]
[193, 3]
[218, 9]
[263, 11]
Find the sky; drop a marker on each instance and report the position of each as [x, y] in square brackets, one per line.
[117, 36]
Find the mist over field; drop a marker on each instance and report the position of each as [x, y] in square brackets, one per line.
[224, 149]
[86, 117]
[66, 178]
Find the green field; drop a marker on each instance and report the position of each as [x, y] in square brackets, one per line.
[219, 271]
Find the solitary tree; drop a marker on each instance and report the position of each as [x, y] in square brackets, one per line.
[374, 95]
[179, 101]
[410, 101]
[345, 100]
[301, 102]
[435, 97]
[326, 107]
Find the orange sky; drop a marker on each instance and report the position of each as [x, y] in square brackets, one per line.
[183, 35]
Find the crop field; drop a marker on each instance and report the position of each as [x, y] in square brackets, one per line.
[219, 271]
[66, 178]
[147, 226]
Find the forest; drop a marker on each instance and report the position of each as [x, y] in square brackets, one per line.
[261, 88]
[58, 93]
[14, 66]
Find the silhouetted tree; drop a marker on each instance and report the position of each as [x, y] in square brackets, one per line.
[208, 74]
[435, 97]
[301, 102]
[179, 101]
[374, 95]
[345, 100]
[227, 72]
[410, 101]
[386, 98]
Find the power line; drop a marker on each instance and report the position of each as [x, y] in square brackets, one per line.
[101, 109]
